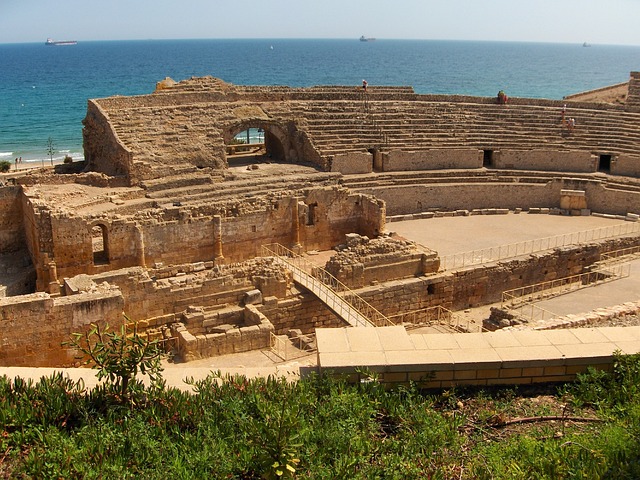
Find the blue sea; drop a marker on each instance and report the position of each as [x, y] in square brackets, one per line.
[45, 88]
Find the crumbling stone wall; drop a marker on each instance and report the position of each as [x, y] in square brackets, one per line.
[11, 220]
[34, 326]
[362, 261]
[100, 143]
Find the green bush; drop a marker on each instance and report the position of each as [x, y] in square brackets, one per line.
[5, 166]
[318, 427]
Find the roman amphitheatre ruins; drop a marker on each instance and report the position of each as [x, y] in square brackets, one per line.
[292, 243]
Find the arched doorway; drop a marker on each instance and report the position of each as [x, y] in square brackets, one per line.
[255, 141]
[100, 244]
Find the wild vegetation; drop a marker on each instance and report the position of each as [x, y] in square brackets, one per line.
[319, 427]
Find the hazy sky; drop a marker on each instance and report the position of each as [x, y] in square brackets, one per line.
[565, 21]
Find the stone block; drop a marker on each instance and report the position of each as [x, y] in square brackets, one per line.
[252, 297]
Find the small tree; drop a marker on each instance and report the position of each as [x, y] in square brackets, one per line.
[119, 356]
[5, 166]
[50, 149]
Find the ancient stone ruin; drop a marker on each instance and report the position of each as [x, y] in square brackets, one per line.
[167, 217]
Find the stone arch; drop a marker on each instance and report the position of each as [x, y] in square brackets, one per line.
[99, 233]
[280, 140]
[276, 139]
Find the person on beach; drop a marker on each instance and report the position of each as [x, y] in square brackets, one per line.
[571, 124]
[502, 98]
[16, 163]
[364, 85]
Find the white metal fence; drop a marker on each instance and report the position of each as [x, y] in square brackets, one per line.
[501, 252]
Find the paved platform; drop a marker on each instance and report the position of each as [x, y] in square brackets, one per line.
[494, 358]
[449, 235]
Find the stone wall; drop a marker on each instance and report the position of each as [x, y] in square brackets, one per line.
[628, 165]
[316, 219]
[103, 151]
[508, 193]
[11, 220]
[364, 262]
[34, 326]
[435, 159]
[546, 160]
[254, 335]
[301, 310]
[352, 163]
[633, 97]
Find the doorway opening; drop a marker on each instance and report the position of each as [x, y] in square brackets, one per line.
[487, 158]
[604, 163]
[99, 244]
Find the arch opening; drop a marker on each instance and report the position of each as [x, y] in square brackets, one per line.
[254, 142]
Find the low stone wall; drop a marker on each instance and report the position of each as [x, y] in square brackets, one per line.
[11, 220]
[352, 162]
[546, 160]
[436, 159]
[411, 196]
[301, 310]
[34, 326]
[628, 165]
[255, 335]
[594, 317]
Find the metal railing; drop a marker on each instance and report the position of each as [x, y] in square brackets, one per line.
[432, 316]
[501, 252]
[521, 301]
[560, 286]
[289, 348]
[329, 290]
[622, 255]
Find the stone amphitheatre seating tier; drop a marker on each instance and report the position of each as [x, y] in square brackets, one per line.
[213, 192]
[345, 126]
[186, 126]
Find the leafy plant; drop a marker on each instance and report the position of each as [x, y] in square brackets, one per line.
[5, 166]
[119, 356]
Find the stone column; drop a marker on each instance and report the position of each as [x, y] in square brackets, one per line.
[54, 286]
[295, 226]
[140, 246]
[217, 237]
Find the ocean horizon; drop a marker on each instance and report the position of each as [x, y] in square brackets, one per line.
[46, 88]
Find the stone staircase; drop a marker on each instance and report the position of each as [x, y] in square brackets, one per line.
[343, 126]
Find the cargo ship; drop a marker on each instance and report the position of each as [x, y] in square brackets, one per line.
[51, 41]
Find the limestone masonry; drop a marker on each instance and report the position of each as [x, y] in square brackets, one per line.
[166, 218]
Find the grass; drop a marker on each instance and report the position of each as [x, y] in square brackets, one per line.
[321, 428]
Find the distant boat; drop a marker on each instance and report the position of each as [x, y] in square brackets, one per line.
[366, 39]
[585, 44]
[51, 41]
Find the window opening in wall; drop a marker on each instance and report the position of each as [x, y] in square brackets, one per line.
[431, 289]
[604, 163]
[487, 158]
[99, 244]
[311, 213]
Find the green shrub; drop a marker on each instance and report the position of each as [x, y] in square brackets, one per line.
[5, 166]
[119, 357]
[68, 159]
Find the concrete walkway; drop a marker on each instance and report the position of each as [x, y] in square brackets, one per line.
[448, 359]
